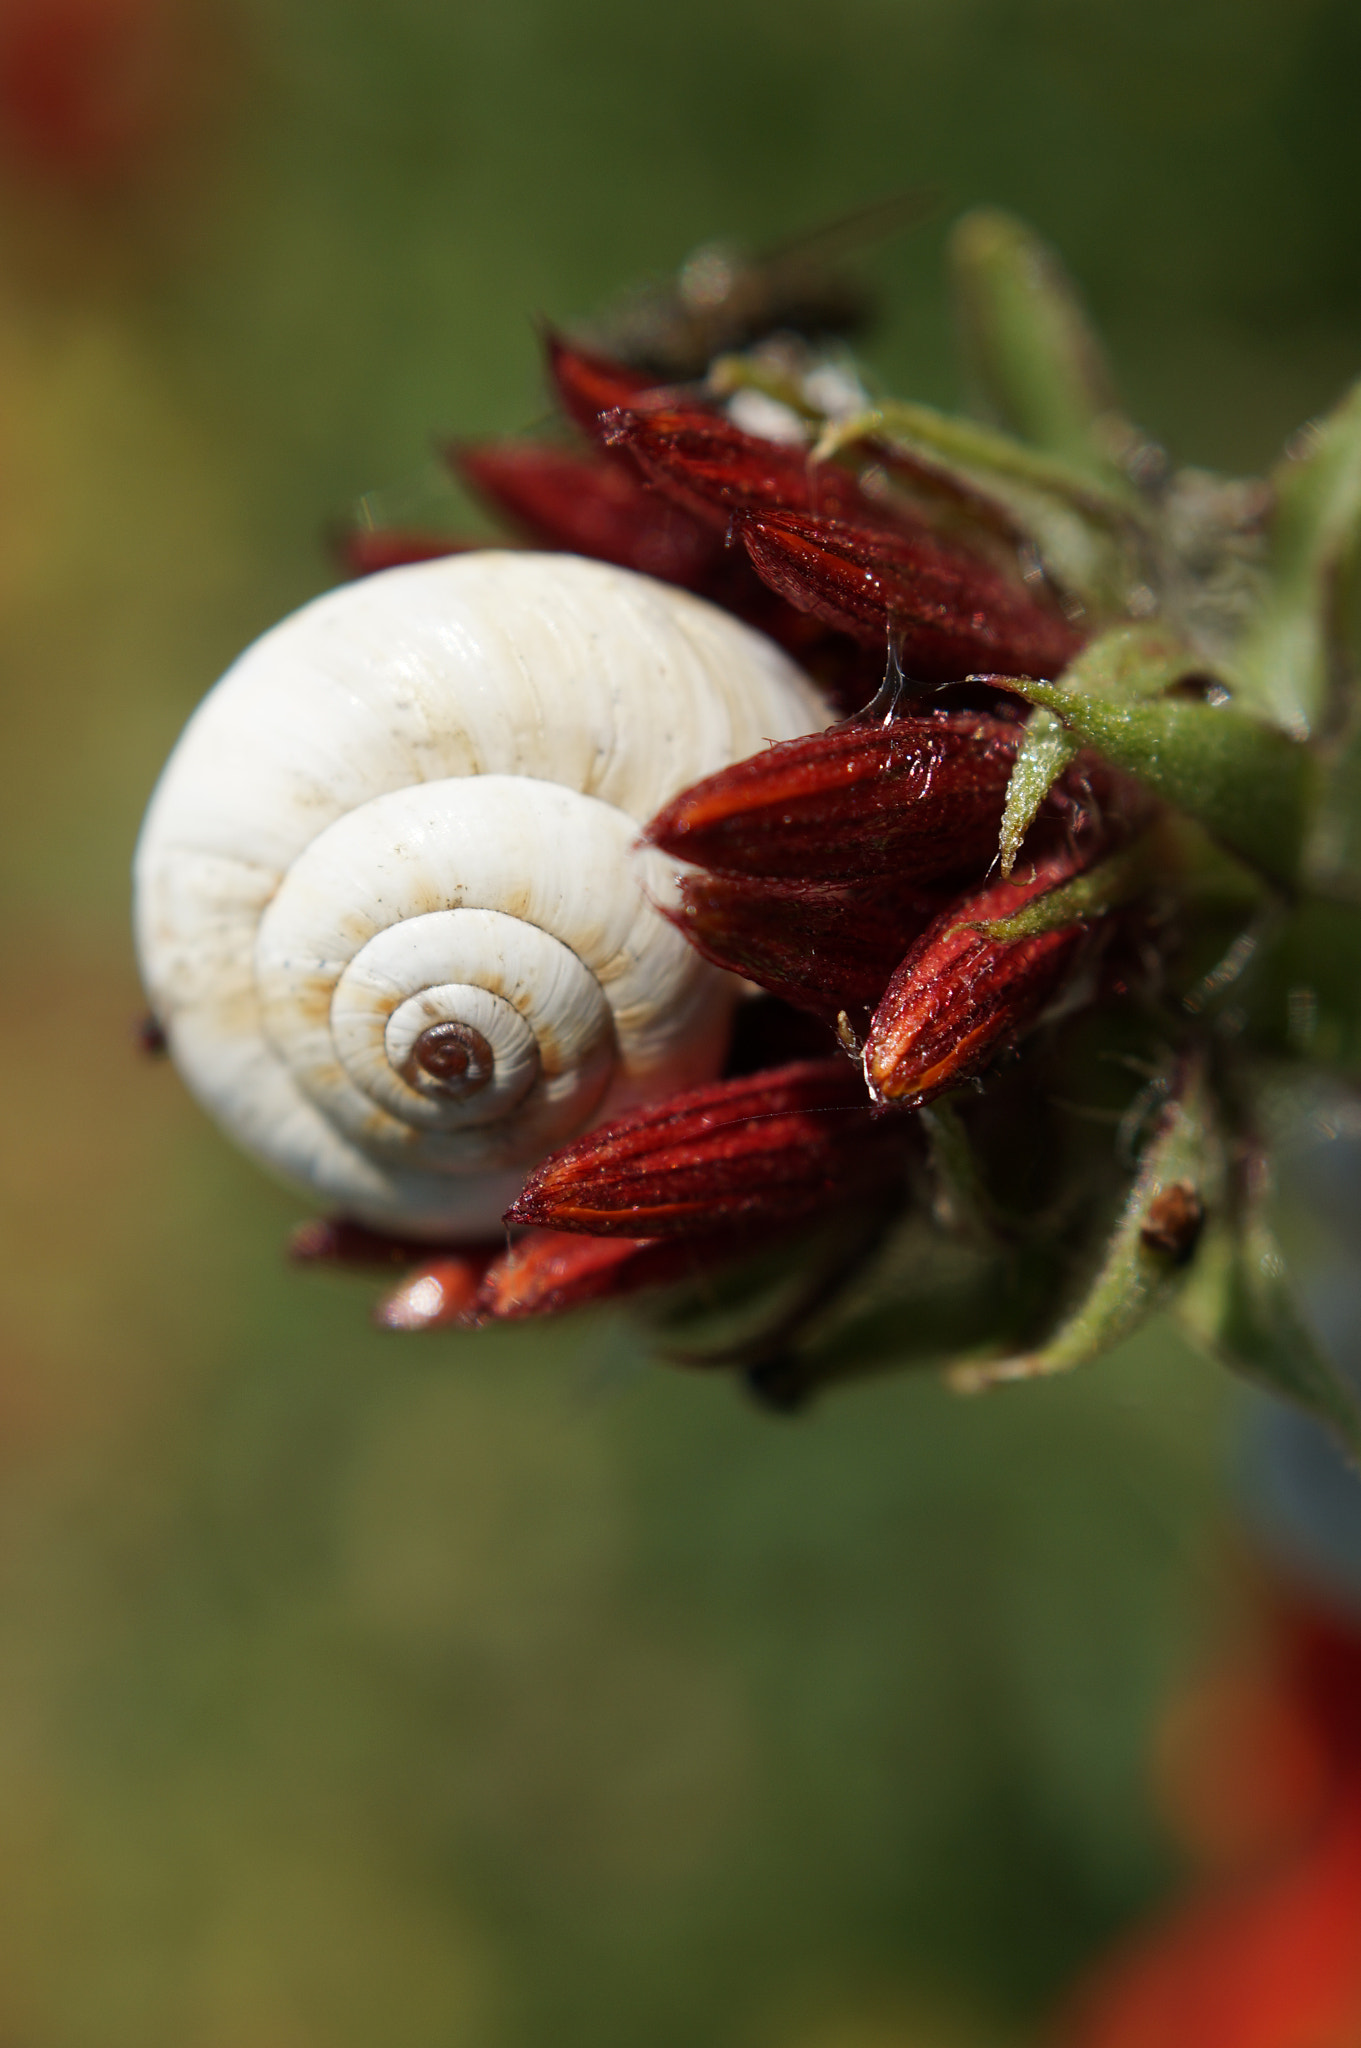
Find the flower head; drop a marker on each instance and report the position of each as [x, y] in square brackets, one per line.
[1032, 922]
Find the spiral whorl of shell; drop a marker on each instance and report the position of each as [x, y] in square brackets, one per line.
[390, 910]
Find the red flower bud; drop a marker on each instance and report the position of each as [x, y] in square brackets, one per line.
[959, 995]
[706, 463]
[917, 798]
[822, 946]
[746, 1152]
[587, 385]
[950, 613]
[549, 1272]
[590, 505]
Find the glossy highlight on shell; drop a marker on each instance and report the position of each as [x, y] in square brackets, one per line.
[391, 911]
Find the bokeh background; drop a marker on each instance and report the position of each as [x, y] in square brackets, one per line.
[506, 1692]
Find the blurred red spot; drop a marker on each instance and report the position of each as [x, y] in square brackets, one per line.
[149, 1038]
[87, 87]
[1267, 1954]
[1273, 1964]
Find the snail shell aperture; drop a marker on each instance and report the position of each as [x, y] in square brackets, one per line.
[390, 908]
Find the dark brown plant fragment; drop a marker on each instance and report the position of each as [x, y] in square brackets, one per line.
[1174, 1221]
[149, 1037]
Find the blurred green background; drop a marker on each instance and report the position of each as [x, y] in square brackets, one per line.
[505, 1691]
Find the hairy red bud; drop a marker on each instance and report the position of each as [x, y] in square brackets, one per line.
[950, 613]
[706, 463]
[959, 995]
[548, 1272]
[587, 384]
[916, 798]
[822, 946]
[587, 504]
[744, 1152]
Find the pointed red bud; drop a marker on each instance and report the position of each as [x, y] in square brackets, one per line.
[747, 1152]
[959, 995]
[916, 798]
[864, 564]
[822, 946]
[548, 1272]
[587, 504]
[706, 463]
[950, 613]
[587, 384]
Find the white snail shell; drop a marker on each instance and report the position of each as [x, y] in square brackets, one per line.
[390, 911]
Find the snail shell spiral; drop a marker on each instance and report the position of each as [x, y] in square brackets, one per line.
[390, 910]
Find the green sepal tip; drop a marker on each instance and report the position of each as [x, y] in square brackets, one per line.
[1248, 783]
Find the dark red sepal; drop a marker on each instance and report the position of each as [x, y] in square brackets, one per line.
[916, 798]
[587, 504]
[949, 613]
[959, 996]
[706, 463]
[747, 1152]
[823, 946]
[548, 1272]
[587, 384]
